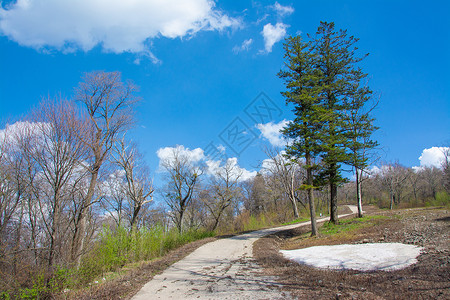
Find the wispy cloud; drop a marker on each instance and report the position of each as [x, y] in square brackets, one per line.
[282, 10]
[243, 47]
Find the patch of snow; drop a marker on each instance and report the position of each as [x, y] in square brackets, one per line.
[363, 257]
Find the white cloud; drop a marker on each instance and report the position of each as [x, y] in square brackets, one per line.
[268, 164]
[117, 25]
[271, 132]
[431, 157]
[167, 154]
[12, 133]
[282, 10]
[273, 34]
[197, 157]
[215, 167]
[243, 47]
[375, 170]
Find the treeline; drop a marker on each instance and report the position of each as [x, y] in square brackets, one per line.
[218, 196]
[56, 179]
[396, 186]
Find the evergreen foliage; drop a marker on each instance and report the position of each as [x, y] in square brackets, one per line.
[325, 85]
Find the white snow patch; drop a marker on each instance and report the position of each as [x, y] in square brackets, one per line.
[363, 257]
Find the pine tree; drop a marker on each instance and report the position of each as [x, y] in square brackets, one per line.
[324, 84]
[336, 59]
[351, 124]
[359, 130]
[302, 83]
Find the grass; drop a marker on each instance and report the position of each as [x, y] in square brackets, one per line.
[349, 225]
[299, 220]
[119, 247]
[346, 231]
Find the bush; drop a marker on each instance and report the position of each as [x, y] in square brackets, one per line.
[442, 199]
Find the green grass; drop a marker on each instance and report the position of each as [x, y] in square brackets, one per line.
[299, 220]
[120, 246]
[349, 225]
[257, 222]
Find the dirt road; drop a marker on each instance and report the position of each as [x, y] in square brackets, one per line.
[224, 269]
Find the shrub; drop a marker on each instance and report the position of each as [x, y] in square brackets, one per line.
[442, 199]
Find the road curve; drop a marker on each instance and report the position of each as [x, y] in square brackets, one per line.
[223, 269]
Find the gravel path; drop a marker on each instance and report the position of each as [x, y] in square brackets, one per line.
[223, 269]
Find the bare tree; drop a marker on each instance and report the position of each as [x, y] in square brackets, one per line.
[290, 176]
[114, 200]
[9, 184]
[433, 178]
[32, 179]
[223, 189]
[196, 214]
[393, 177]
[17, 171]
[413, 179]
[446, 168]
[182, 178]
[259, 195]
[246, 191]
[139, 187]
[108, 109]
[57, 150]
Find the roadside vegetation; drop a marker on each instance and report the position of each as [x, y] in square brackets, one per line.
[116, 250]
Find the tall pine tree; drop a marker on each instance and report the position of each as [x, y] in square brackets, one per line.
[337, 61]
[302, 80]
[359, 131]
[323, 83]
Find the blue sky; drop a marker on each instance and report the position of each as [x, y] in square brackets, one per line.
[199, 66]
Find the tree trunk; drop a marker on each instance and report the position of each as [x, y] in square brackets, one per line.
[80, 225]
[134, 218]
[358, 193]
[333, 203]
[295, 208]
[309, 181]
[392, 201]
[216, 223]
[18, 239]
[53, 233]
[180, 220]
[293, 200]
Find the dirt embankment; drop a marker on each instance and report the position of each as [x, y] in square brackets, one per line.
[428, 279]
